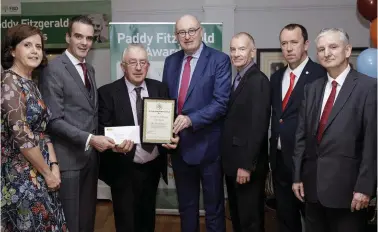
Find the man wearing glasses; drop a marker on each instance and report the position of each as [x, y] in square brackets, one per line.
[199, 78]
[132, 170]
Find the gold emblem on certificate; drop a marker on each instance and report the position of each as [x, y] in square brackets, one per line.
[158, 118]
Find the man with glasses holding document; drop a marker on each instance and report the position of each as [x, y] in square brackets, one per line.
[200, 78]
[132, 169]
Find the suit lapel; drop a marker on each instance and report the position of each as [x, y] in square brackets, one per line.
[242, 83]
[299, 86]
[198, 71]
[319, 92]
[123, 102]
[279, 88]
[176, 73]
[342, 97]
[75, 75]
[152, 90]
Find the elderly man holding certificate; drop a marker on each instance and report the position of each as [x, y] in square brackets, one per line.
[128, 107]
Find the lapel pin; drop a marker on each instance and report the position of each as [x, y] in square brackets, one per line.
[307, 72]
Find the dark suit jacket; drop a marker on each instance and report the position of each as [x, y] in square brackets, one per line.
[115, 110]
[245, 136]
[345, 161]
[286, 129]
[205, 103]
[74, 111]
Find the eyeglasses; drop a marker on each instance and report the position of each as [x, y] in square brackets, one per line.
[134, 63]
[190, 32]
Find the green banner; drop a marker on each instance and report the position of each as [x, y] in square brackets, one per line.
[159, 40]
[54, 28]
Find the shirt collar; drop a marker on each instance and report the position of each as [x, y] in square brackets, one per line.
[245, 69]
[196, 54]
[340, 78]
[298, 70]
[131, 86]
[73, 59]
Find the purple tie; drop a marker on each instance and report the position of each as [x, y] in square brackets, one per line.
[237, 81]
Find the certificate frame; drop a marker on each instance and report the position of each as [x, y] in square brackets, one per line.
[146, 115]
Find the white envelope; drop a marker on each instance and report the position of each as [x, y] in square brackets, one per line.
[120, 133]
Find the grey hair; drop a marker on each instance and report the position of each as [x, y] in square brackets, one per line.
[249, 36]
[343, 34]
[131, 46]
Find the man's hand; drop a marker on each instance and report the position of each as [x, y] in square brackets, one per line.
[298, 191]
[124, 147]
[359, 201]
[101, 143]
[243, 176]
[181, 123]
[174, 143]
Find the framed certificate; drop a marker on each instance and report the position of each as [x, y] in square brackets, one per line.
[158, 118]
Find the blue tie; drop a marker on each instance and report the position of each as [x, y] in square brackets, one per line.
[237, 80]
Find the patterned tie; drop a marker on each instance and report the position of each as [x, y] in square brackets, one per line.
[237, 81]
[289, 91]
[184, 84]
[326, 111]
[86, 79]
[139, 109]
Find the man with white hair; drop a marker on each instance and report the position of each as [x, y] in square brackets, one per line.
[335, 154]
[132, 170]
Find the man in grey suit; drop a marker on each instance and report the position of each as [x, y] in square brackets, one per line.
[335, 156]
[69, 89]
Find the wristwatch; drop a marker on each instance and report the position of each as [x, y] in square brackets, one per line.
[52, 163]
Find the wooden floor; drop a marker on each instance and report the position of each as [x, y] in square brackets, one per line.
[105, 221]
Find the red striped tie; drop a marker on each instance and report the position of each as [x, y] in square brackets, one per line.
[289, 91]
[326, 111]
[86, 79]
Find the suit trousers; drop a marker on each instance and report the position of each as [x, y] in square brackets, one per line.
[188, 179]
[78, 193]
[134, 197]
[320, 218]
[246, 203]
[289, 208]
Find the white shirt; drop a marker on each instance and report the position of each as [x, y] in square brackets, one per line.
[286, 83]
[328, 88]
[77, 65]
[286, 78]
[79, 69]
[141, 156]
[193, 64]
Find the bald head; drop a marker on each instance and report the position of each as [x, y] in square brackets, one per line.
[189, 33]
[187, 19]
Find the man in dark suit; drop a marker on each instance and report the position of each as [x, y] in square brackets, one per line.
[68, 87]
[132, 170]
[199, 77]
[335, 154]
[245, 138]
[287, 93]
